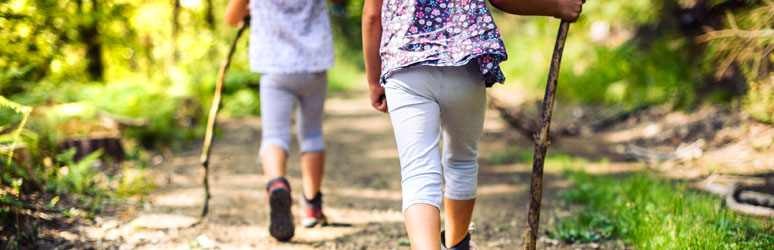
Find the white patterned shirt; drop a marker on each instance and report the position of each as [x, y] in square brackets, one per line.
[290, 36]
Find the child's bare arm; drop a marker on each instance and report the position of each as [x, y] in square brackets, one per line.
[568, 10]
[372, 36]
[236, 12]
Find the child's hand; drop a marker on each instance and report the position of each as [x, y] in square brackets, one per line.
[236, 12]
[569, 10]
[377, 97]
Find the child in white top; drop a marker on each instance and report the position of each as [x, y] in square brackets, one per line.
[291, 45]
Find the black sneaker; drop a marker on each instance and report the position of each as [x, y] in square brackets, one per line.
[281, 225]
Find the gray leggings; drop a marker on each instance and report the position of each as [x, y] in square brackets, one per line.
[278, 94]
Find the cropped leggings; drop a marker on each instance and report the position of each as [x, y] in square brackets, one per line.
[279, 92]
[427, 104]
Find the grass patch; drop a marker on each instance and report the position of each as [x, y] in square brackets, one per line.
[650, 213]
[583, 228]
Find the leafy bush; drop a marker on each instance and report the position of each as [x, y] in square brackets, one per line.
[639, 53]
[27, 178]
[759, 101]
[74, 177]
[636, 77]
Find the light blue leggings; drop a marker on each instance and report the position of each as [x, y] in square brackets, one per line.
[423, 102]
[279, 92]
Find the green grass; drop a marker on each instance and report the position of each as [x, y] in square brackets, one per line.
[650, 213]
[583, 228]
[642, 210]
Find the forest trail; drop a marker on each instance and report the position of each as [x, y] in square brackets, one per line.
[361, 190]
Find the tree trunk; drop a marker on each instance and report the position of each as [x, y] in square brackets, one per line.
[110, 145]
[90, 38]
[95, 67]
[208, 16]
[175, 30]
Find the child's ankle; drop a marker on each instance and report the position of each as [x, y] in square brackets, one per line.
[317, 199]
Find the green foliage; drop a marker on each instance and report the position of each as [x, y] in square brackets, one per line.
[76, 60]
[10, 172]
[747, 42]
[75, 177]
[654, 214]
[759, 101]
[87, 177]
[18, 108]
[555, 161]
[346, 24]
[165, 110]
[83, 179]
[241, 94]
[157, 72]
[584, 228]
[629, 75]
[15, 135]
[47, 38]
[633, 53]
[348, 67]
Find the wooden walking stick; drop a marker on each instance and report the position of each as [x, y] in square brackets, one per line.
[205, 158]
[541, 141]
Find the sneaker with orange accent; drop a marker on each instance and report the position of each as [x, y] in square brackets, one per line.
[311, 211]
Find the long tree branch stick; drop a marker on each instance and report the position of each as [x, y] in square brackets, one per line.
[205, 157]
[541, 141]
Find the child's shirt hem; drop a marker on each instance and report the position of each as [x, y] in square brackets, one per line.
[492, 74]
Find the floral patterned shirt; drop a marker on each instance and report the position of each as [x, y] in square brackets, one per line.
[290, 36]
[440, 33]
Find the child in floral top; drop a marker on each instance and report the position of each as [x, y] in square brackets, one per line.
[428, 63]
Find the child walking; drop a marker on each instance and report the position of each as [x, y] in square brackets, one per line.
[428, 63]
[291, 45]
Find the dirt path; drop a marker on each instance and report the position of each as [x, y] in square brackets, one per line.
[361, 187]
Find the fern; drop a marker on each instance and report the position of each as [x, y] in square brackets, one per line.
[19, 109]
[79, 177]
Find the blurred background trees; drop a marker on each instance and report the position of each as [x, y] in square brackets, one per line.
[683, 52]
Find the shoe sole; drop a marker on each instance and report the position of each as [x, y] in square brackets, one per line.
[281, 226]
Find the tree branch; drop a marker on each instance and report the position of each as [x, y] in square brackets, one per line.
[734, 33]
